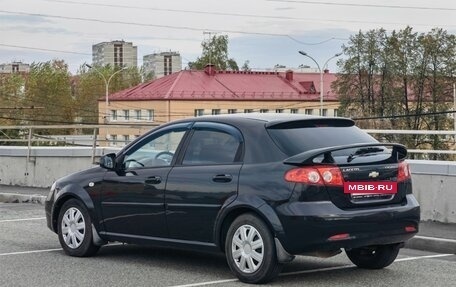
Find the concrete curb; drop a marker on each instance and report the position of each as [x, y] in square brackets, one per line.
[433, 244]
[22, 198]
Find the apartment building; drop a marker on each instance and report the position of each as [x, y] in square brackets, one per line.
[162, 64]
[115, 53]
[14, 67]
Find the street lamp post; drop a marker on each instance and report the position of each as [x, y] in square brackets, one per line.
[321, 69]
[106, 86]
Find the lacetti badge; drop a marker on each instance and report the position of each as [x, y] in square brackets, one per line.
[374, 174]
[383, 187]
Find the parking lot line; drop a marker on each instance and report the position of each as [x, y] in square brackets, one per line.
[312, 270]
[22, 219]
[422, 257]
[30, 252]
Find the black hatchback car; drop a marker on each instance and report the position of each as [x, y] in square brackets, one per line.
[259, 187]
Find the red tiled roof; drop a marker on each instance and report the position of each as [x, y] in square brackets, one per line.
[231, 85]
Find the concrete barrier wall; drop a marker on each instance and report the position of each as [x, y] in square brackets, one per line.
[45, 164]
[434, 186]
[434, 182]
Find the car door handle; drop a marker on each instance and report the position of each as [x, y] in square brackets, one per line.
[153, 180]
[222, 178]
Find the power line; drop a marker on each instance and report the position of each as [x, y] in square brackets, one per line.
[44, 49]
[166, 26]
[233, 15]
[366, 5]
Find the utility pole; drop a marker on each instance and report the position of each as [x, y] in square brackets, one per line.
[322, 70]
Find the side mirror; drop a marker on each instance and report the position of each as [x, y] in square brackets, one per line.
[108, 161]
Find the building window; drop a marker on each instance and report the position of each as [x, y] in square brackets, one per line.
[126, 139]
[294, 111]
[113, 115]
[113, 140]
[336, 112]
[247, 111]
[324, 112]
[232, 111]
[126, 115]
[263, 111]
[150, 115]
[199, 112]
[138, 115]
[215, 112]
[118, 55]
[309, 111]
[279, 111]
[167, 65]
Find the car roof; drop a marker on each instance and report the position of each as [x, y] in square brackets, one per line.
[269, 119]
[264, 117]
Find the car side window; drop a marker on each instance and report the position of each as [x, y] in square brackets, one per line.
[211, 147]
[158, 151]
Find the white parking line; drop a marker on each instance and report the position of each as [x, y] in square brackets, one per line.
[422, 257]
[48, 250]
[312, 270]
[29, 252]
[22, 219]
[435, 238]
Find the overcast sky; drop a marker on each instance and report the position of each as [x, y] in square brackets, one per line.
[272, 31]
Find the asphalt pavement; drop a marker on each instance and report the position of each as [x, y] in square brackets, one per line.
[30, 255]
[432, 236]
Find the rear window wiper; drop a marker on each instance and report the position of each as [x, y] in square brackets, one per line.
[363, 151]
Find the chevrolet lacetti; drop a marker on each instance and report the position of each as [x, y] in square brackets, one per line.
[261, 188]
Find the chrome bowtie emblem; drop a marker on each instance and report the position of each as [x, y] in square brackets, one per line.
[374, 174]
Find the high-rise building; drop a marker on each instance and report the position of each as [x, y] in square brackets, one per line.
[115, 53]
[162, 64]
[14, 67]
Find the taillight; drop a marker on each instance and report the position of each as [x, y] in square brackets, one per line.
[320, 175]
[403, 172]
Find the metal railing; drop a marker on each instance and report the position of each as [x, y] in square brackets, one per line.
[27, 135]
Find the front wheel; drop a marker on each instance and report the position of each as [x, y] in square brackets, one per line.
[250, 250]
[373, 257]
[75, 229]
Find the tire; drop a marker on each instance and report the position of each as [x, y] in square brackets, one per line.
[75, 229]
[373, 257]
[251, 265]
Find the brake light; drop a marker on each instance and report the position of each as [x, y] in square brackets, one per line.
[341, 236]
[410, 228]
[320, 175]
[403, 172]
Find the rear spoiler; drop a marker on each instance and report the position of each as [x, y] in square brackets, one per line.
[306, 158]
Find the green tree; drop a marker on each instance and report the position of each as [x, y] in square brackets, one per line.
[215, 51]
[11, 98]
[147, 76]
[245, 67]
[48, 87]
[401, 74]
[90, 88]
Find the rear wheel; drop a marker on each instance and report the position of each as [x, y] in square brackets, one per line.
[75, 229]
[250, 250]
[373, 257]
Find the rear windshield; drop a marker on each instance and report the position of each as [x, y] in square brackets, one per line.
[296, 140]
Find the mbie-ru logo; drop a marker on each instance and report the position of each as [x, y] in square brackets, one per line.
[371, 187]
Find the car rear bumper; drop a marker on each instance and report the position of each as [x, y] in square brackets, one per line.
[309, 226]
